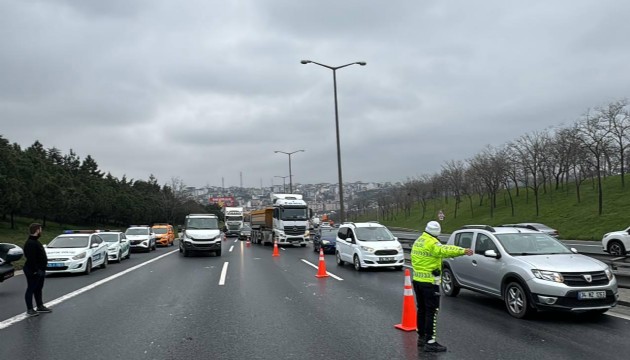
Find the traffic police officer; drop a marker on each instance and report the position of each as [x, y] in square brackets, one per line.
[426, 258]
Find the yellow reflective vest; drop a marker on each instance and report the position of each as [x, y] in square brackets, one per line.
[426, 255]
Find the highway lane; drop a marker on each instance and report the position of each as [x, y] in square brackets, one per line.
[275, 308]
[56, 285]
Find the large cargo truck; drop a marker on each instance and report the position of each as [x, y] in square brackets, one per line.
[233, 220]
[286, 221]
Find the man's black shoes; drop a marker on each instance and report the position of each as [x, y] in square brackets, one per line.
[43, 309]
[31, 313]
[434, 347]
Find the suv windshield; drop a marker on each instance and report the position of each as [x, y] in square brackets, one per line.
[160, 230]
[202, 223]
[531, 244]
[109, 237]
[373, 233]
[69, 242]
[137, 231]
[294, 213]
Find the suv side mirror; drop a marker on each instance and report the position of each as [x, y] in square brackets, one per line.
[95, 245]
[492, 254]
[574, 250]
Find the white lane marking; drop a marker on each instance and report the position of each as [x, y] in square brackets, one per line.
[223, 273]
[408, 266]
[8, 322]
[283, 249]
[235, 240]
[615, 259]
[329, 273]
[621, 316]
[231, 248]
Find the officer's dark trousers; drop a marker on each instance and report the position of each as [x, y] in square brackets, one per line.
[427, 303]
[35, 284]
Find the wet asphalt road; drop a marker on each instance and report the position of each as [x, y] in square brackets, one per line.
[275, 308]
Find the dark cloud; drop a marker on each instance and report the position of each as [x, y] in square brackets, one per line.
[204, 90]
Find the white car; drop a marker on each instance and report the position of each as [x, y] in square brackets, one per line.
[141, 237]
[368, 245]
[119, 247]
[77, 251]
[617, 242]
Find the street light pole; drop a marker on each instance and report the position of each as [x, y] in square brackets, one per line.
[284, 183]
[334, 70]
[290, 175]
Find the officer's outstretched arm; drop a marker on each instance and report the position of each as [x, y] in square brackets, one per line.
[439, 250]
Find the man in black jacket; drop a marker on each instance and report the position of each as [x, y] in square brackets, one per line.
[35, 271]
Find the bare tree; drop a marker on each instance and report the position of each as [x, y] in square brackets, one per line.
[594, 131]
[530, 148]
[491, 168]
[453, 175]
[617, 116]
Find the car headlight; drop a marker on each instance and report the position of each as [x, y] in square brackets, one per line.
[307, 233]
[325, 242]
[548, 275]
[368, 249]
[399, 248]
[80, 256]
[609, 274]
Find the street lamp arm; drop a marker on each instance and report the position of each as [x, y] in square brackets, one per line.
[362, 63]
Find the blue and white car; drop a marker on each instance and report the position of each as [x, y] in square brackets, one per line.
[141, 237]
[119, 246]
[77, 251]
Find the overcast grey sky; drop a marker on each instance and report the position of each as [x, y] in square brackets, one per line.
[206, 89]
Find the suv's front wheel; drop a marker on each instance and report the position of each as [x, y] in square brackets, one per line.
[449, 284]
[615, 247]
[517, 301]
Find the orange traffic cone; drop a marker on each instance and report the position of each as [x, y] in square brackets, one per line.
[409, 320]
[321, 271]
[248, 243]
[275, 249]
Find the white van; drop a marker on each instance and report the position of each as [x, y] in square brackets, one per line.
[368, 245]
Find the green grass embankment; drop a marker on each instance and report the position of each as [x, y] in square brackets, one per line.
[558, 209]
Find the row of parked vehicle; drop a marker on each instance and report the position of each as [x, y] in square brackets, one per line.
[522, 264]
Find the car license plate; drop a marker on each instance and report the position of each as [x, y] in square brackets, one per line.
[587, 295]
[55, 264]
[387, 259]
[295, 242]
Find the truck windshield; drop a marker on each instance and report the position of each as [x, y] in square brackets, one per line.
[202, 223]
[294, 213]
[233, 218]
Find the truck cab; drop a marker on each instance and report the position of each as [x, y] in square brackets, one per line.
[233, 220]
[290, 219]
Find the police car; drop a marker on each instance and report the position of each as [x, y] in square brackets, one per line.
[76, 251]
[119, 246]
[141, 237]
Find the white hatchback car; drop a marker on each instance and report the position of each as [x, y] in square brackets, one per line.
[617, 242]
[368, 245]
[76, 251]
[119, 246]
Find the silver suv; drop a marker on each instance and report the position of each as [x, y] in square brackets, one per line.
[529, 270]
